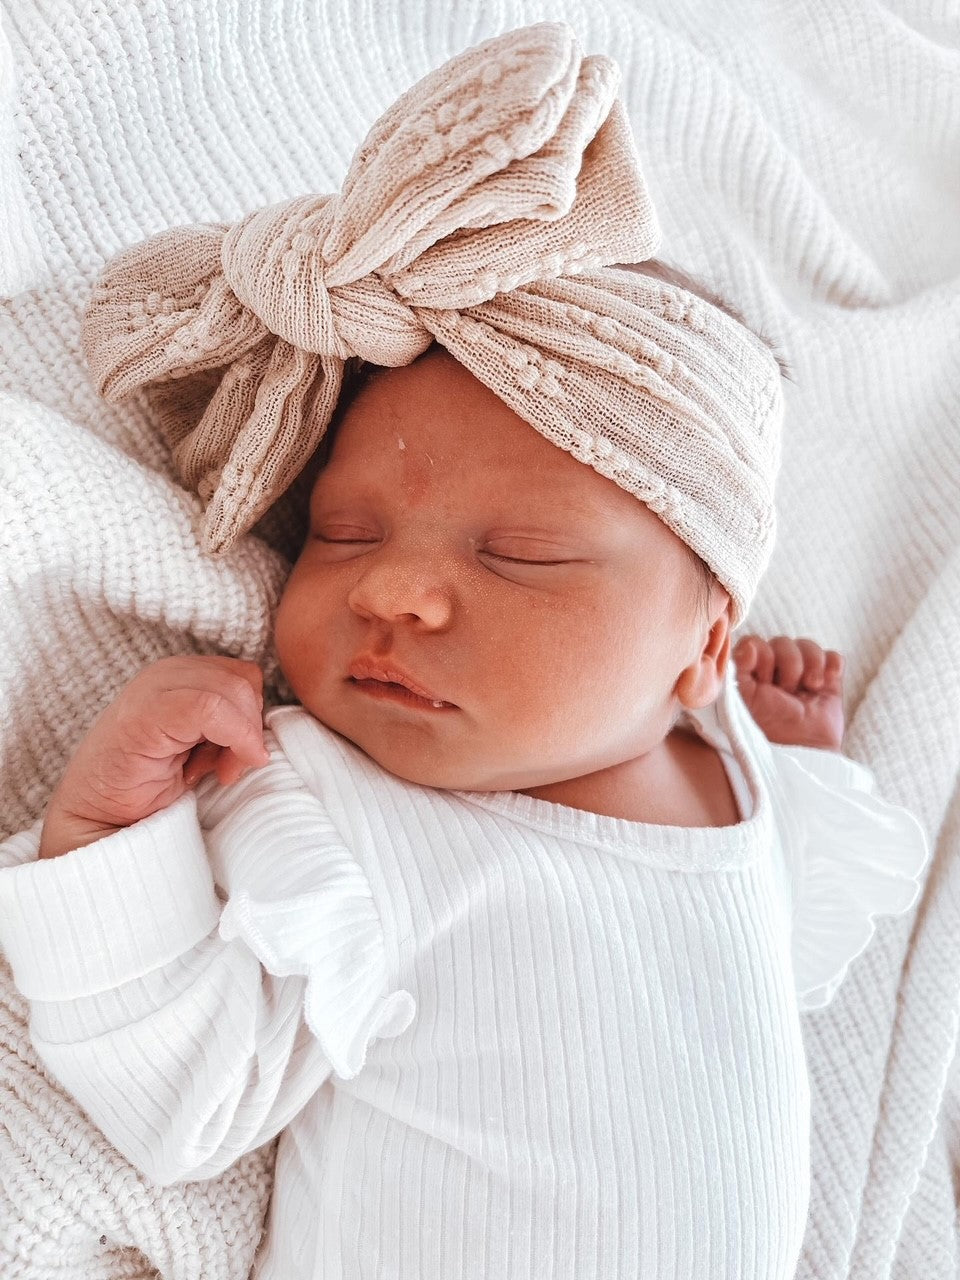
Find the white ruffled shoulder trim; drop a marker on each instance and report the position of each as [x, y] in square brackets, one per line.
[303, 905]
[852, 857]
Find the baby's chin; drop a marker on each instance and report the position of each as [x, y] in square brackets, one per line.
[398, 742]
[417, 752]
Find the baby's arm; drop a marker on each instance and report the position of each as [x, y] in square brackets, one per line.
[180, 1046]
[793, 689]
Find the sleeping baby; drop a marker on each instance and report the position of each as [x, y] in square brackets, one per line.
[507, 919]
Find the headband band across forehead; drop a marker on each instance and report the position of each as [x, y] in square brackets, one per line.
[483, 211]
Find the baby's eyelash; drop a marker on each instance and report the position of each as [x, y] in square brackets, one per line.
[513, 559]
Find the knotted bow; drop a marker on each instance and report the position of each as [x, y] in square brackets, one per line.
[512, 163]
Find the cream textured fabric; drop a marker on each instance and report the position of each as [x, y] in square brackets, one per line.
[480, 210]
[71, 1206]
[802, 160]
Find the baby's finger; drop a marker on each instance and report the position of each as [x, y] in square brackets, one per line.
[222, 722]
[202, 760]
[207, 758]
[789, 663]
[763, 666]
[745, 654]
[251, 672]
[190, 715]
[834, 664]
[229, 769]
[813, 664]
[241, 683]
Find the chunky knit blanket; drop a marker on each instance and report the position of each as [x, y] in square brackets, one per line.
[803, 162]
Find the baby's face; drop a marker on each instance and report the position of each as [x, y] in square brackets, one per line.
[552, 607]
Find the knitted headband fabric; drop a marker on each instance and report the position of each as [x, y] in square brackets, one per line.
[483, 211]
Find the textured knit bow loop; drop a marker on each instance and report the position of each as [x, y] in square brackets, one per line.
[162, 308]
[495, 134]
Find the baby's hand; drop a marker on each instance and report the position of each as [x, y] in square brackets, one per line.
[793, 689]
[178, 719]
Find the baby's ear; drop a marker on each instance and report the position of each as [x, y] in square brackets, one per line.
[700, 683]
[719, 618]
[723, 656]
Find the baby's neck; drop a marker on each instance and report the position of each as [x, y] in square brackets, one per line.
[679, 783]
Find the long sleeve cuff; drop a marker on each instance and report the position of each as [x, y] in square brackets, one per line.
[110, 911]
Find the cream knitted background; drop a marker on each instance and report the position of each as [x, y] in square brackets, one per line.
[803, 162]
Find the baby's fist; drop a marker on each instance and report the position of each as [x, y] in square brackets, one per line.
[793, 689]
[179, 718]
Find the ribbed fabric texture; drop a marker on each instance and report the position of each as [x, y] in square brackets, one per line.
[507, 1037]
[803, 162]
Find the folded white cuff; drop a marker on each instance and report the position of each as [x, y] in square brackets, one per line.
[110, 911]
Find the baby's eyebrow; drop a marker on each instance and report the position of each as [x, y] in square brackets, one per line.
[574, 514]
[588, 522]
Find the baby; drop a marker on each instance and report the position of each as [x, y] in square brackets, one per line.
[494, 629]
[507, 922]
[489, 625]
[550, 1106]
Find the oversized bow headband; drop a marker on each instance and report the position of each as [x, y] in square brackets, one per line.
[483, 211]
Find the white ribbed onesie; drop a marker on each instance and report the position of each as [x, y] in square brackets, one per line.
[507, 1038]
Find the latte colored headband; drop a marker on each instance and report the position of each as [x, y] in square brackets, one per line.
[483, 211]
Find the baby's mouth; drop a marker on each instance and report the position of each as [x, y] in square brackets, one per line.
[390, 691]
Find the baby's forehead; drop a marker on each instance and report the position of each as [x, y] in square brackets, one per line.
[437, 407]
[433, 425]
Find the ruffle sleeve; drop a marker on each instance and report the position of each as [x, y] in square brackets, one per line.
[303, 905]
[850, 856]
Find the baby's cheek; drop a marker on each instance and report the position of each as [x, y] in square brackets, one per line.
[288, 629]
[302, 632]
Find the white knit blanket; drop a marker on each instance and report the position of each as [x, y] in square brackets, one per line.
[803, 161]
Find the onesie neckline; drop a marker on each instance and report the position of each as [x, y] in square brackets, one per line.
[689, 848]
